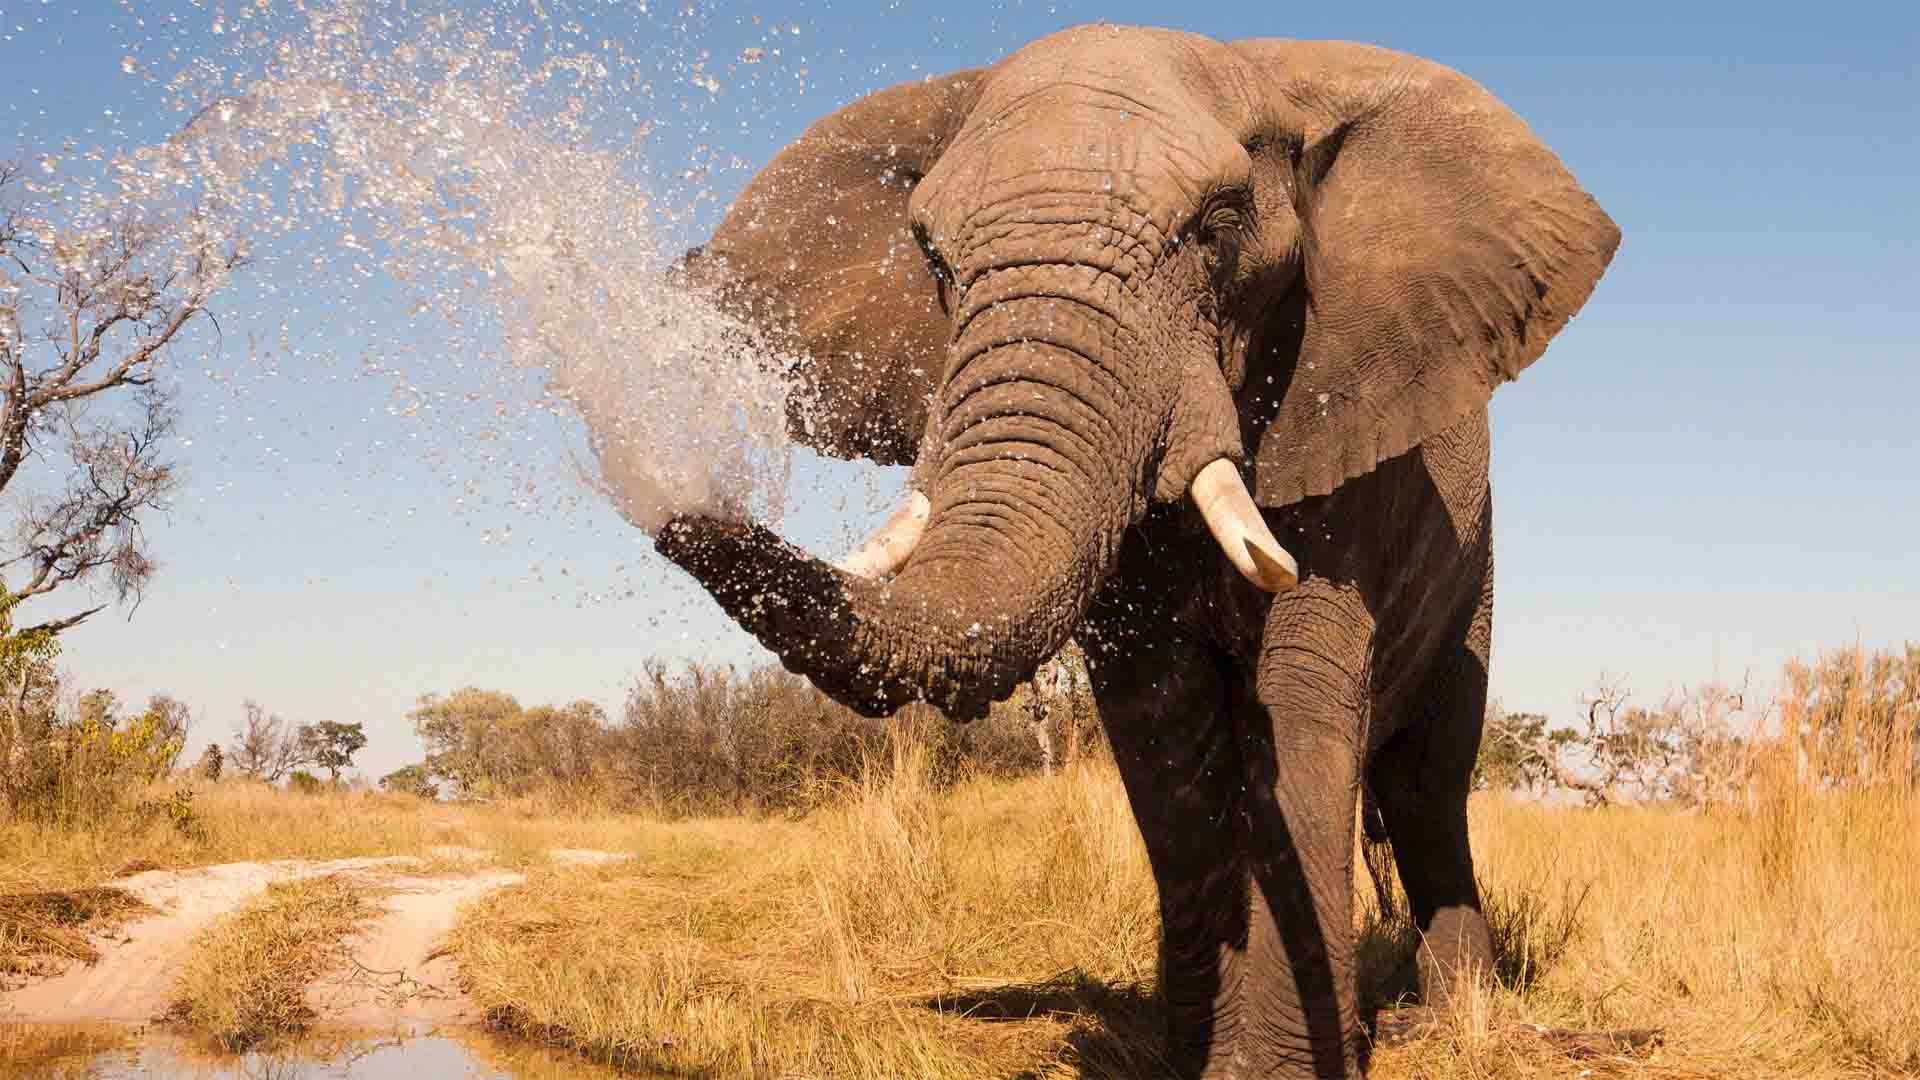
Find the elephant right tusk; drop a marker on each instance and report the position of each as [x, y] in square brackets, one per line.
[887, 549]
[1239, 529]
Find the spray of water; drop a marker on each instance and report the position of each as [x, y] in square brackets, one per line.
[472, 176]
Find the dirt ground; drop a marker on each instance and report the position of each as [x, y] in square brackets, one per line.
[393, 979]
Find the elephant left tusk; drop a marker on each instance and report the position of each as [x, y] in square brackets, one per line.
[887, 549]
[1239, 529]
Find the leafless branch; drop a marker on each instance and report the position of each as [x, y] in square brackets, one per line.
[88, 313]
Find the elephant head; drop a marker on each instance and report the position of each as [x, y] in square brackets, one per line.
[1121, 266]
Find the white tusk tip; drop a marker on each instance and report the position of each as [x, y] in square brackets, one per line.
[888, 549]
[1276, 570]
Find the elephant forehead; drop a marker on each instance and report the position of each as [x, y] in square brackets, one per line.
[1084, 115]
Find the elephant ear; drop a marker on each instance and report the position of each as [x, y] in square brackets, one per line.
[819, 254]
[1441, 246]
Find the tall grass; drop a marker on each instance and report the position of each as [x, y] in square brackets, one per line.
[862, 941]
[42, 931]
[233, 821]
[245, 821]
[1775, 933]
[1005, 927]
[244, 979]
[926, 920]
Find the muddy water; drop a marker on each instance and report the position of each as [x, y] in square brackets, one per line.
[111, 1053]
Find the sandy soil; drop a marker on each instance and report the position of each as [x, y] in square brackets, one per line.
[393, 979]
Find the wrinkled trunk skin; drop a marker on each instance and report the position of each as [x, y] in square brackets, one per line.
[1033, 483]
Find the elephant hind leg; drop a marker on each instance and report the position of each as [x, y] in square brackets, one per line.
[1420, 779]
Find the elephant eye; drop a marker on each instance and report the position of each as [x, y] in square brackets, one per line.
[1224, 258]
[1221, 229]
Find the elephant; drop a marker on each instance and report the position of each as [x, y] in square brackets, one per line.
[1189, 345]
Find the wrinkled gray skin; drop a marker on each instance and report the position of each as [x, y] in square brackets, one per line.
[1060, 287]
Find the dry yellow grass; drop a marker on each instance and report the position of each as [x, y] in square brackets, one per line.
[902, 933]
[41, 931]
[239, 821]
[56, 882]
[1763, 948]
[1009, 927]
[245, 977]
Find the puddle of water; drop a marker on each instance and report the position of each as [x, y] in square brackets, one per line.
[105, 1053]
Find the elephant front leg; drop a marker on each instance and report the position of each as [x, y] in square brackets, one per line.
[1301, 745]
[1163, 699]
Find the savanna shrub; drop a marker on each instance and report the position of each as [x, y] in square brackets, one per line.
[75, 763]
[176, 809]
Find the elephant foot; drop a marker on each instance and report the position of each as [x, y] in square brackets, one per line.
[1398, 1027]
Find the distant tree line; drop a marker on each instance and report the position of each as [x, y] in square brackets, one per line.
[74, 757]
[1851, 718]
[712, 739]
[266, 747]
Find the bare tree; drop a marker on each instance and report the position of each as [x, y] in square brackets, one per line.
[265, 747]
[1520, 750]
[1052, 700]
[89, 308]
[1687, 752]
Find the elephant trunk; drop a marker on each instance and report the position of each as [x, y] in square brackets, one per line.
[1034, 476]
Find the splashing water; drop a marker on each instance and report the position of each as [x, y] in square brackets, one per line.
[473, 178]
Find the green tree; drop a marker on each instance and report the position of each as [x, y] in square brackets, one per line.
[1518, 752]
[330, 745]
[466, 735]
[483, 743]
[172, 720]
[109, 746]
[411, 780]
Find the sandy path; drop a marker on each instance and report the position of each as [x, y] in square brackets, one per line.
[390, 981]
[393, 979]
[135, 973]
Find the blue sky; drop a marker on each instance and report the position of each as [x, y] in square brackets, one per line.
[1712, 470]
